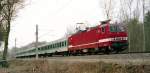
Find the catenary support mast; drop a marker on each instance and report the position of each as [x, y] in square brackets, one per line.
[36, 43]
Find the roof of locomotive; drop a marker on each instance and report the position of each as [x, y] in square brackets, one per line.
[102, 24]
[89, 28]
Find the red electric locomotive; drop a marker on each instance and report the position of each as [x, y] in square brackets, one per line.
[106, 38]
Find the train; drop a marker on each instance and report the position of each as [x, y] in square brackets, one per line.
[104, 38]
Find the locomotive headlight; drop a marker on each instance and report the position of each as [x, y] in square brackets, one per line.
[126, 38]
[121, 38]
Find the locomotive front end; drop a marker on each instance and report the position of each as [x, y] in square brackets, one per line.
[118, 38]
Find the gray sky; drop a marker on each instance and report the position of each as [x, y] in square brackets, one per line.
[53, 18]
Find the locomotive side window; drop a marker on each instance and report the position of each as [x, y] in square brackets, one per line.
[103, 29]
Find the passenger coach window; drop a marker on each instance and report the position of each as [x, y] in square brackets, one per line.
[57, 45]
[62, 43]
[65, 43]
[52, 45]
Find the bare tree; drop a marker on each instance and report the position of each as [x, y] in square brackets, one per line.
[1, 16]
[8, 12]
[137, 12]
[108, 8]
[122, 15]
[129, 4]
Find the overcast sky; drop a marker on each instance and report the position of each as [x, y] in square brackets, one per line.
[53, 18]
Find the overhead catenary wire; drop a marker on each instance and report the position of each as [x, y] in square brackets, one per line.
[57, 11]
[45, 34]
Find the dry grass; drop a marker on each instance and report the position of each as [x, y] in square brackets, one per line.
[44, 66]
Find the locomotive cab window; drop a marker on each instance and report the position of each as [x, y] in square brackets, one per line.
[115, 28]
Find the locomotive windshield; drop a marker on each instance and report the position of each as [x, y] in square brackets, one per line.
[116, 28]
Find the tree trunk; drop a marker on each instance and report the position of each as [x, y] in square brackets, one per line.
[6, 42]
[5, 48]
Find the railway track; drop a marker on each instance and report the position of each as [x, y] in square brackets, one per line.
[134, 58]
[110, 56]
